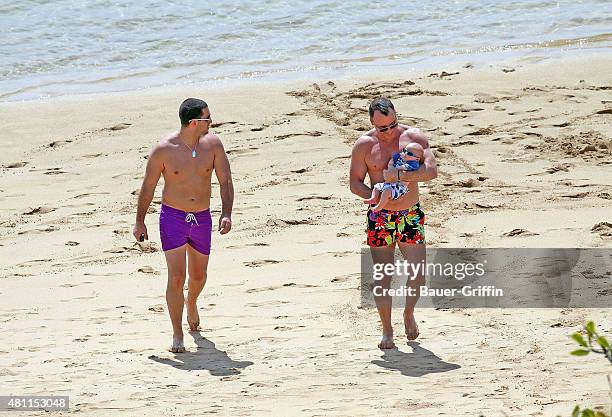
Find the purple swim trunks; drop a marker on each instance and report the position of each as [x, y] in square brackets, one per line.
[177, 227]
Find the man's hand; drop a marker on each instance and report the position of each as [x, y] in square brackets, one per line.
[390, 175]
[140, 232]
[225, 224]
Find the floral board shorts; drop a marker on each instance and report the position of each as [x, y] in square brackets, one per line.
[386, 226]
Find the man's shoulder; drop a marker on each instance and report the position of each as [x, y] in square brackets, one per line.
[414, 134]
[365, 140]
[211, 139]
[167, 141]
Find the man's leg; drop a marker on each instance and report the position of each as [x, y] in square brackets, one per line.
[198, 264]
[384, 255]
[175, 259]
[414, 254]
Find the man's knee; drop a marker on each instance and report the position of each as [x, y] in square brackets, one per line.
[199, 276]
[176, 281]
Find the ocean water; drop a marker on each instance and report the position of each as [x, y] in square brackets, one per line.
[56, 47]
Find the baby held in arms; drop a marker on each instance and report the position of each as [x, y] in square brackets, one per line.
[408, 159]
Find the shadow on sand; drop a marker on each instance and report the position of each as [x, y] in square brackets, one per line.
[418, 363]
[206, 357]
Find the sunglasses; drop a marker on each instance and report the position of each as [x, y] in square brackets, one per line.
[206, 120]
[385, 128]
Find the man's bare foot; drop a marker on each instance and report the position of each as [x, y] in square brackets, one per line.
[177, 345]
[410, 325]
[386, 342]
[193, 317]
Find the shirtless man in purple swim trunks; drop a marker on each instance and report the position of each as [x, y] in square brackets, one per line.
[186, 159]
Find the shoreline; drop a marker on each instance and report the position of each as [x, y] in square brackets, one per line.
[354, 68]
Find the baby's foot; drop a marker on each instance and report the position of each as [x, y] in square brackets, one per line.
[371, 200]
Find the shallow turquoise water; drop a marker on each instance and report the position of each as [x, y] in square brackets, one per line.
[55, 47]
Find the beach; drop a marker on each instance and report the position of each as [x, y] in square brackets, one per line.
[524, 159]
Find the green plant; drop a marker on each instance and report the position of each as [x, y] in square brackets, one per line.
[586, 347]
[587, 413]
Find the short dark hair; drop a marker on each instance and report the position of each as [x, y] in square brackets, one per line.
[191, 109]
[381, 104]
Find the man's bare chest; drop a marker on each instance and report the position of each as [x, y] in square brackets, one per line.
[181, 165]
[379, 156]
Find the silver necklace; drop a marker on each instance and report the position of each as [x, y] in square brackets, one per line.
[193, 151]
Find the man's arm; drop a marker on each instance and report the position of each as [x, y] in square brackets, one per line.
[428, 169]
[226, 187]
[153, 171]
[359, 169]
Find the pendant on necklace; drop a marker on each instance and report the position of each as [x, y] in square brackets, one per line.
[193, 153]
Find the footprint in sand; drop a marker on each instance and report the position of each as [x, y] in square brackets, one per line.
[347, 277]
[82, 339]
[40, 210]
[20, 164]
[89, 194]
[467, 183]
[54, 171]
[120, 126]
[259, 262]
[219, 124]
[338, 254]
[605, 196]
[289, 135]
[272, 288]
[58, 143]
[240, 151]
[485, 98]
[93, 155]
[604, 229]
[575, 195]
[148, 270]
[33, 261]
[563, 124]
[289, 222]
[442, 74]
[552, 170]
[462, 108]
[519, 232]
[465, 142]
[247, 245]
[158, 308]
[270, 303]
[138, 247]
[70, 285]
[315, 197]
[481, 132]
[45, 230]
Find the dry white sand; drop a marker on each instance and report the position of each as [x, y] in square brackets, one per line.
[83, 309]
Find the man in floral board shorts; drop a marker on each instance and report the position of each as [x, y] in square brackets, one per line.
[401, 222]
